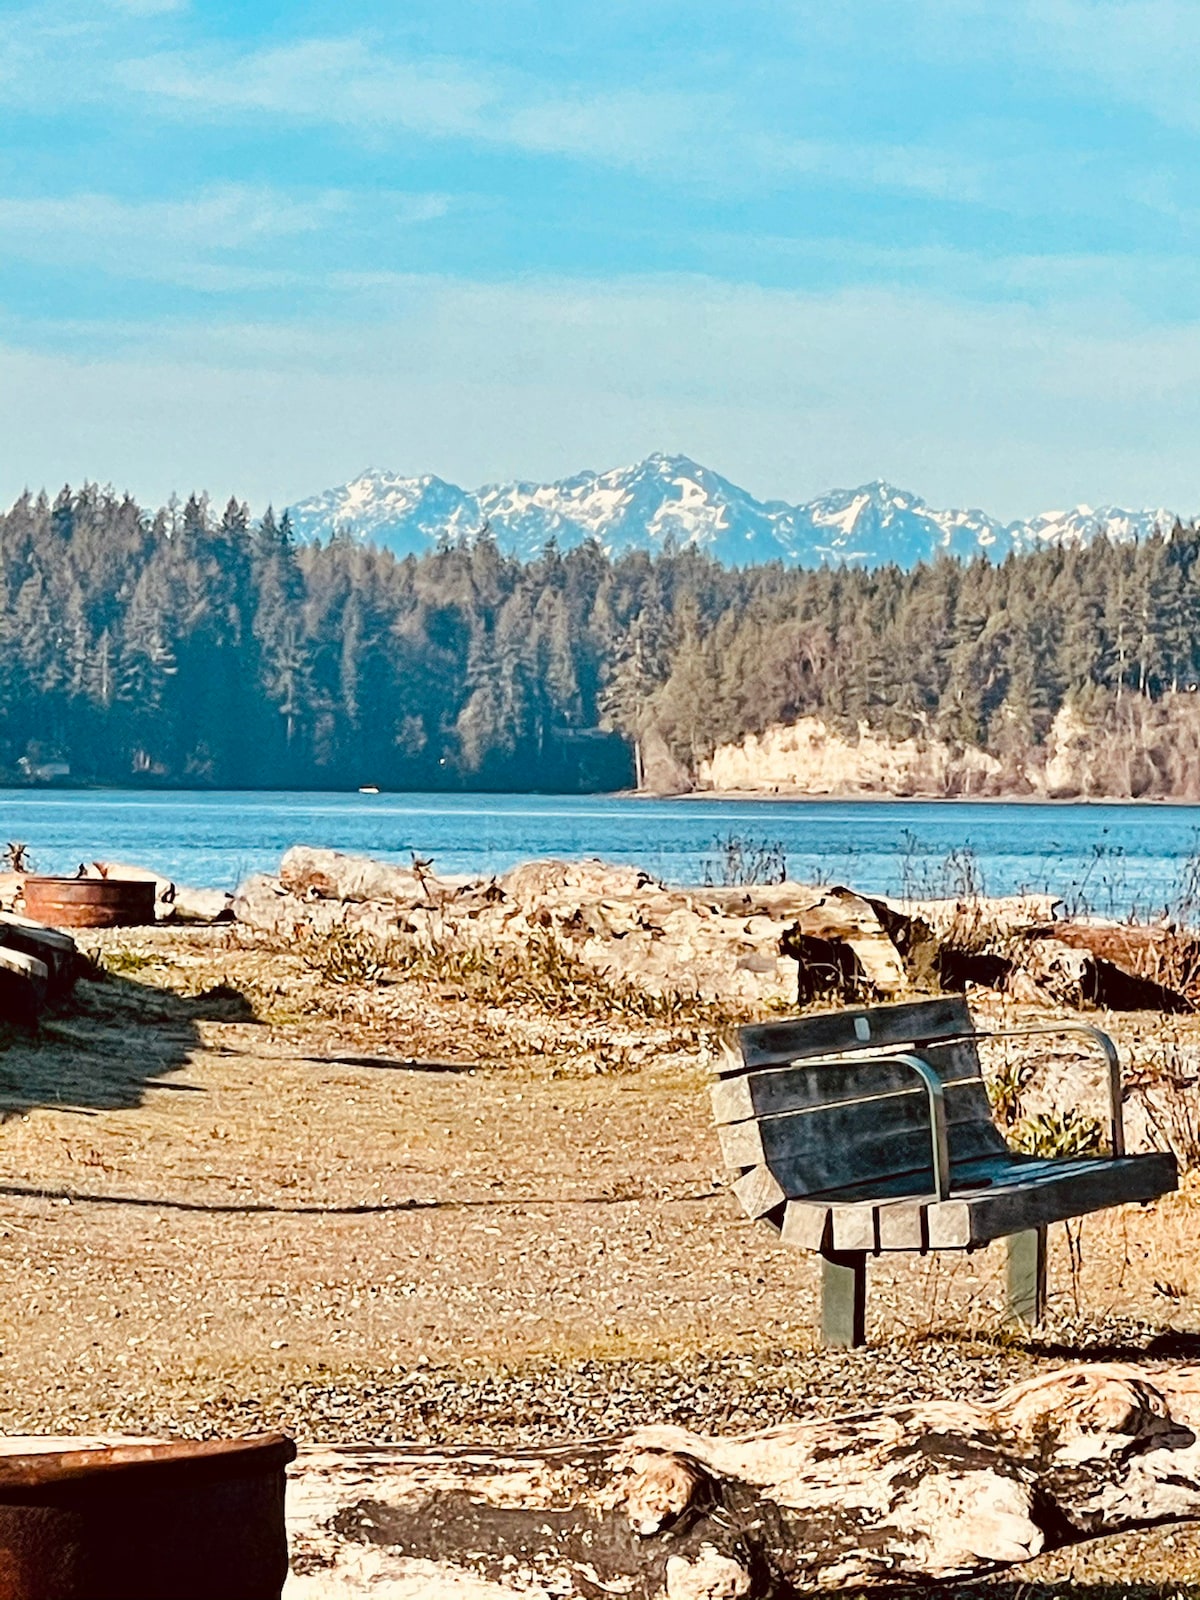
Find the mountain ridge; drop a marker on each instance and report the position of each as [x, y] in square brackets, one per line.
[672, 499]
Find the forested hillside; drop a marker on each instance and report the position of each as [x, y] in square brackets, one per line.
[188, 646]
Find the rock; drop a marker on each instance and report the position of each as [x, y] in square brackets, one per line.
[1072, 975]
[262, 903]
[662, 1489]
[810, 757]
[536, 883]
[202, 905]
[710, 1576]
[841, 947]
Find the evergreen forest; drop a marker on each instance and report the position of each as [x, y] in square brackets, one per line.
[193, 646]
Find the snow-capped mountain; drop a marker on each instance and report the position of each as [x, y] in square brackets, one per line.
[670, 497]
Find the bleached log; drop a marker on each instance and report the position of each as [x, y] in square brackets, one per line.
[201, 905]
[939, 1490]
[331, 875]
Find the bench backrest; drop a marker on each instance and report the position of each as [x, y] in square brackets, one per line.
[817, 1102]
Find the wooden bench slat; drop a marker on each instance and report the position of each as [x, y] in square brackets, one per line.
[759, 1192]
[885, 1154]
[802, 1086]
[1023, 1193]
[770, 1044]
[914, 1187]
[841, 1129]
[1036, 1200]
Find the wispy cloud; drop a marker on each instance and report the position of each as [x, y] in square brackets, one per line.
[1133, 53]
[1143, 53]
[208, 240]
[707, 136]
[148, 8]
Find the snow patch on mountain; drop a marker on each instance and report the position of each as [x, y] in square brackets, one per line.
[671, 500]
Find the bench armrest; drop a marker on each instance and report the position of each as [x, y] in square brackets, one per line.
[1107, 1048]
[937, 1120]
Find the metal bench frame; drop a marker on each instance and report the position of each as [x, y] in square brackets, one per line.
[938, 1195]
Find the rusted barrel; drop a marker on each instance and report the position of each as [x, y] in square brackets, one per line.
[90, 902]
[178, 1521]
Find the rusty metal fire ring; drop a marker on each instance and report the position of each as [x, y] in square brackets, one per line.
[173, 1521]
[90, 902]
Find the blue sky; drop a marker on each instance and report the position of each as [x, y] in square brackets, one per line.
[255, 246]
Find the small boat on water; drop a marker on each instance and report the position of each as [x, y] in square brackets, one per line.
[369, 788]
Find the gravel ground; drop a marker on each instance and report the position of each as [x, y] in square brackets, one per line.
[234, 1196]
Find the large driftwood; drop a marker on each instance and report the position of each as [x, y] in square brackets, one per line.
[933, 1491]
[37, 965]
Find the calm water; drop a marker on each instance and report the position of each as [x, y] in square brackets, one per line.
[1113, 857]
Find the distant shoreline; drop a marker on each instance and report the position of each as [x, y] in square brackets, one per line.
[882, 797]
[700, 796]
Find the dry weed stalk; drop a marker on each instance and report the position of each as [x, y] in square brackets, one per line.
[1170, 1092]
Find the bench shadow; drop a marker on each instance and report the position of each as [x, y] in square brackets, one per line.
[393, 1064]
[1170, 1345]
[110, 1043]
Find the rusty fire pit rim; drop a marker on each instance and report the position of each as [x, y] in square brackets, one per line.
[36, 1470]
[61, 879]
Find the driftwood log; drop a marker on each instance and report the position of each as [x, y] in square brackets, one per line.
[937, 1490]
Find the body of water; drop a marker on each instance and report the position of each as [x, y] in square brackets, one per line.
[1109, 858]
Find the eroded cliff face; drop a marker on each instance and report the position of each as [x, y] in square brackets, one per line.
[1137, 749]
[808, 757]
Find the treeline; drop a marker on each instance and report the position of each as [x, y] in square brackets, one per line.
[190, 646]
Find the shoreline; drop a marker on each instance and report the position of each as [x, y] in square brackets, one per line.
[734, 796]
[883, 797]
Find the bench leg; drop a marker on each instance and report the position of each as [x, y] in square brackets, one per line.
[844, 1298]
[1027, 1277]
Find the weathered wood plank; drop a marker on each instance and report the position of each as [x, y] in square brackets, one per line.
[758, 1192]
[842, 1132]
[804, 1225]
[898, 1215]
[820, 1083]
[55, 949]
[867, 1158]
[768, 1044]
[855, 1227]
[1029, 1200]
[902, 1224]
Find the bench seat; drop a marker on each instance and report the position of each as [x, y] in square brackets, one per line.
[989, 1199]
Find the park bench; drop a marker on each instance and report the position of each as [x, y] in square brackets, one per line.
[866, 1131]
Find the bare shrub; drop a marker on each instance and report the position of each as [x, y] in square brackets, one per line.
[1170, 1093]
[345, 955]
[741, 862]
